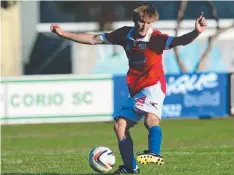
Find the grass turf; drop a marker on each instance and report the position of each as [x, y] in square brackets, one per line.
[190, 147]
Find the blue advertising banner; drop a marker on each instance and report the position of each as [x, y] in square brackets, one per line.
[121, 93]
[199, 94]
[188, 95]
[232, 94]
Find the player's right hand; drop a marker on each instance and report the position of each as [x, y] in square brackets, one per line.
[56, 29]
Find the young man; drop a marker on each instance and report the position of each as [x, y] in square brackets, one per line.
[145, 79]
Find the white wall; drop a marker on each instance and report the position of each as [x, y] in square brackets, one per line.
[29, 12]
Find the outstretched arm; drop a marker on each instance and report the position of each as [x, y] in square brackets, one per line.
[200, 26]
[82, 38]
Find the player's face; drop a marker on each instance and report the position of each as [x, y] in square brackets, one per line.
[142, 26]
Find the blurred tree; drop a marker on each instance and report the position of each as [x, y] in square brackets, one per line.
[203, 60]
[8, 4]
[103, 12]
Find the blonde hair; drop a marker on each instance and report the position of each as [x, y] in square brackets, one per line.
[145, 11]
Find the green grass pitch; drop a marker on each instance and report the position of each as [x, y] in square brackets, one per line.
[190, 147]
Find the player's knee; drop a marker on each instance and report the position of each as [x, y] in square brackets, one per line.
[120, 125]
[151, 120]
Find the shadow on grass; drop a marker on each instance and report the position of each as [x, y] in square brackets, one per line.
[55, 174]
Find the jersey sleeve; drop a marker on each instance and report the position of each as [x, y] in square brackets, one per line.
[116, 37]
[168, 42]
[160, 41]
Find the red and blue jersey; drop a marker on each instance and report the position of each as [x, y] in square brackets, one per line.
[144, 55]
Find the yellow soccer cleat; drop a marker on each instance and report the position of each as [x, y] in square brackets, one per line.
[149, 157]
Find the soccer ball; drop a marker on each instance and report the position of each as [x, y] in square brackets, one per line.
[101, 159]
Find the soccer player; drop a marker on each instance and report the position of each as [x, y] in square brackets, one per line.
[145, 79]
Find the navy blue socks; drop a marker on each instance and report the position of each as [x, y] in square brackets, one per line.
[127, 154]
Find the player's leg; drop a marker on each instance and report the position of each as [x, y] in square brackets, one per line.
[155, 133]
[152, 155]
[150, 101]
[126, 118]
[125, 142]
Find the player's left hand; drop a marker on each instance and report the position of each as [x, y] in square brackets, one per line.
[201, 24]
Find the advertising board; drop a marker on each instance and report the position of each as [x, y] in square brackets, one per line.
[68, 99]
[188, 95]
